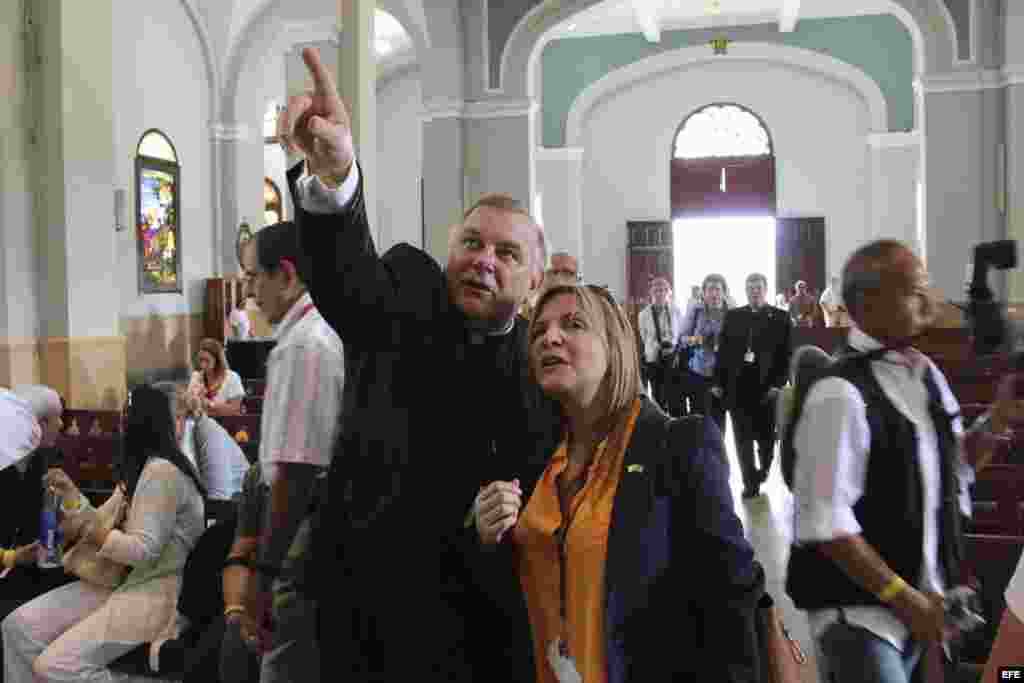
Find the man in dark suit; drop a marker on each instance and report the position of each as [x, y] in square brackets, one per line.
[439, 404]
[753, 361]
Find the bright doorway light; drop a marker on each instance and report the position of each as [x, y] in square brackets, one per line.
[733, 247]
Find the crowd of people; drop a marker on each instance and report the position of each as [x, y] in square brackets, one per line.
[447, 489]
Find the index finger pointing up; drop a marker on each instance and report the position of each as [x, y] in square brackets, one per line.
[323, 81]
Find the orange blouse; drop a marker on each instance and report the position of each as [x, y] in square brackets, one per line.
[586, 551]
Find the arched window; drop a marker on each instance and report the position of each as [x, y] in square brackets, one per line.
[158, 213]
[155, 145]
[722, 130]
[722, 164]
[273, 210]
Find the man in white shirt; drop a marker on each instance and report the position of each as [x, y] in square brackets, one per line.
[661, 326]
[299, 426]
[879, 481]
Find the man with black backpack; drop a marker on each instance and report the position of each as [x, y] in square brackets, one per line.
[874, 458]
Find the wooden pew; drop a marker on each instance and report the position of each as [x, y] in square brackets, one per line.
[92, 422]
[996, 497]
[237, 425]
[989, 562]
[252, 405]
[89, 460]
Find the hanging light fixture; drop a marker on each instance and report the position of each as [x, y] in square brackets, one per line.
[720, 45]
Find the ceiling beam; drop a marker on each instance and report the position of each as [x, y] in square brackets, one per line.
[789, 14]
[646, 14]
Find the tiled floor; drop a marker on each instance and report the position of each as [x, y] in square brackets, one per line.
[768, 520]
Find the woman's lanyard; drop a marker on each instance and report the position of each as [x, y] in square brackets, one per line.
[561, 538]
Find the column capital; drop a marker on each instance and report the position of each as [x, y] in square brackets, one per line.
[886, 140]
[229, 132]
[491, 108]
[558, 153]
[961, 81]
[1013, 74]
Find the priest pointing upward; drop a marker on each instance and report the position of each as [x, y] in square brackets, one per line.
[438, 402]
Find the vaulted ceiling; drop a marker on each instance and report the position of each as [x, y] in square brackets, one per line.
[651, 17]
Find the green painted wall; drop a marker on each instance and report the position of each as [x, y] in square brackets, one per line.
[879, 45]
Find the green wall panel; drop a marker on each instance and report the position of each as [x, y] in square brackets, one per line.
[879, 45]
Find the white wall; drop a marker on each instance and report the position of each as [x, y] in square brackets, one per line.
[262, 81]
[400, 154]
[19, 284]
[160, 82]
[818, 127]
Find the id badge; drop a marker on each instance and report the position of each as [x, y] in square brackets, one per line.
[562, 664]
[748, 357]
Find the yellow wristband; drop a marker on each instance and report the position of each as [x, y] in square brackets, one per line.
[71, 506]
[892, 589]
[9, 557]
[234, 609]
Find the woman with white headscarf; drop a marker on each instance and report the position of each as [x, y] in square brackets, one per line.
[31, 417]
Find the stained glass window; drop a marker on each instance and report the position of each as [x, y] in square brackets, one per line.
[158, 230]
[722, 131]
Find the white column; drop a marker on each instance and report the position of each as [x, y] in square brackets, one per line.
[1013, 171]
[443, 177]
[963, 129]
[357, 78]
[82, 348]
[559, 180]
[895, 169]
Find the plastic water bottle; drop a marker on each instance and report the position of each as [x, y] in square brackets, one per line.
[49, 532]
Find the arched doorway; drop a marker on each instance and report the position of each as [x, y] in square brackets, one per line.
[723, 198]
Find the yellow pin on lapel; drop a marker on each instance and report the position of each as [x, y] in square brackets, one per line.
[634, 468]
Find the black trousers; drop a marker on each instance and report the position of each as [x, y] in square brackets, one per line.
[697, 390]
[753, 422]
[667, 387]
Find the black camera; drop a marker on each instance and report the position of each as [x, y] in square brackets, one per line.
[963, 609]
[984, 315]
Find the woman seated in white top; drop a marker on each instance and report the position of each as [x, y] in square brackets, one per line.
[72, 633]
[211, 449]
[218, 386]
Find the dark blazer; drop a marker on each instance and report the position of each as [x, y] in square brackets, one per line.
[431, 411]
[682, 583]
[769, 333]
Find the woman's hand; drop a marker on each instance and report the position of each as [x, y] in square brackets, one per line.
[58, 481]
[496, 510]
[26, 554]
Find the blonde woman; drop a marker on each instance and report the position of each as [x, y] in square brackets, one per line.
[631, 560]
[217, 386]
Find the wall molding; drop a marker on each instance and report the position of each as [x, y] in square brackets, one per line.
[894, 140]
[689, 57]
[229, 132]
[558, 153]
[496, 108]
[962, 81]
[1013, 74]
